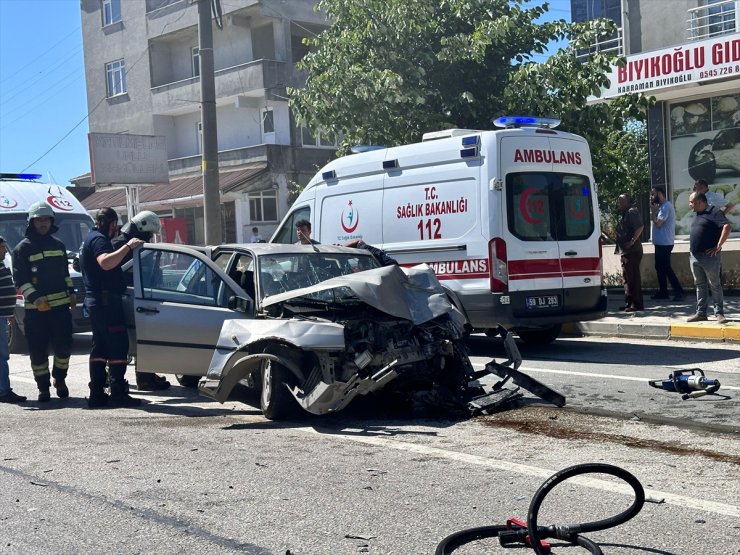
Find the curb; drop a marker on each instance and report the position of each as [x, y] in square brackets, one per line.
[709, 330]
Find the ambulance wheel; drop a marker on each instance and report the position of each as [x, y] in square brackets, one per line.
[187, 381]
[702, 164]
[542, 336]
[16, 340]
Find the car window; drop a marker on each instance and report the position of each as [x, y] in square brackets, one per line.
[279, 273]
[545, 206]
[181, 277]
[287, 232]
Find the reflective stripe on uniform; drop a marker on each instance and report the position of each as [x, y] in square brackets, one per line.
[61, 363]
[26, 289]
[54, 296]
[69, 282]
[40, 369]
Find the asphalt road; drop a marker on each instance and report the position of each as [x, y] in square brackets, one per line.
[183, 474]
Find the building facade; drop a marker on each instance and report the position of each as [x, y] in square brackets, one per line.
[143, 78]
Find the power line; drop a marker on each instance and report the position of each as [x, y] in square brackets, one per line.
[25, 66]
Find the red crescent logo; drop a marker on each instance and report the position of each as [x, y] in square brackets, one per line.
[8, 203]
[357, 220]
[524, 209]
[572, 209]
[61, 203]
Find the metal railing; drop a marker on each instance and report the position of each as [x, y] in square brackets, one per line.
[711, 20]
[613, 44]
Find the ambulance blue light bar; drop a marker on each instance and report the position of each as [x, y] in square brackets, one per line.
[21, 176]
[473, 140]
[526, 121]
[331, 174]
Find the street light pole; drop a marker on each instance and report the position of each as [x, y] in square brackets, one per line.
[211, 193]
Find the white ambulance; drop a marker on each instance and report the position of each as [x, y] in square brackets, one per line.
[18, 192]
[508, 219]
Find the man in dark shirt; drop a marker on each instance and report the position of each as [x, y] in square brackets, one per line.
[7, 313]
[105, 285]
[709, 231]
[629, 229]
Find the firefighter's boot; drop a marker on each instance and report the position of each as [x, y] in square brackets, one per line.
[98, 398]
[60, 383]
[43, 381]
[119, 396]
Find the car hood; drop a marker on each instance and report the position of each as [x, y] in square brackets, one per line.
[413, 294]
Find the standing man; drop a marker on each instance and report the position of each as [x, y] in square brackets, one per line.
[713, 199]
[105, 285]
[629, 229]
[709, 231]
[663, 236]
[256, 237]
[142, 226]
[303, 230]
[41, 273]
[7, 313]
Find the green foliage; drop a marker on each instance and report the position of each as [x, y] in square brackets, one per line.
[624, 168]
[386, 71]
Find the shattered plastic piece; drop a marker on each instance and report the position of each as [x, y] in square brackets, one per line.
[359, 537]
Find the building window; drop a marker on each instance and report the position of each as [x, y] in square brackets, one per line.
[111, 12]
[321, 140]
[116, 77]
[263, 206]
[268, 121]
[194, 54]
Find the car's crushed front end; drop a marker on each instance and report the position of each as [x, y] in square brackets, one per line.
[347, 336]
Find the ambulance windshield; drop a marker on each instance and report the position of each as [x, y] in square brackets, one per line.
[543, 206]
[72, 229]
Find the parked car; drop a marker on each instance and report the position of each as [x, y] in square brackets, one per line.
[311, 326]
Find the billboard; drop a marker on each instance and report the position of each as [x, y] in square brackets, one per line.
[121, 159]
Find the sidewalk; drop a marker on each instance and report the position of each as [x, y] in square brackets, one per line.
[662, 320]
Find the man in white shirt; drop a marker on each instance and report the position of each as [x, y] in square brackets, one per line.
[713, 199]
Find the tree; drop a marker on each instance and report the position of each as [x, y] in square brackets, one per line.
[624, 168]
[386, 71]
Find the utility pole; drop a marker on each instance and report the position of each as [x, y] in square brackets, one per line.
[211, 193]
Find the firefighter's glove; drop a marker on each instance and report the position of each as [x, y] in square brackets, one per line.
[72, 301]
[41, 304]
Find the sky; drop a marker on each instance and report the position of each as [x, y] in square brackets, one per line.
[43, 103]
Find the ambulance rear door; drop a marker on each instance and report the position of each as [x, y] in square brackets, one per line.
[548, 222]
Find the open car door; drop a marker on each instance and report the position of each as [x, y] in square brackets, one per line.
[180, 300]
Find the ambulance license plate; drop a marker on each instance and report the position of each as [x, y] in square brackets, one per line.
[545, 301]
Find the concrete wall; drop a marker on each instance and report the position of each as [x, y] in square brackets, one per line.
[679, 263]
[655, 24]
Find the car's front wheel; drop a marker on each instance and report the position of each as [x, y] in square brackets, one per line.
[276, 401]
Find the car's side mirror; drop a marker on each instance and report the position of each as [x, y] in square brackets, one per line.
[240, 304]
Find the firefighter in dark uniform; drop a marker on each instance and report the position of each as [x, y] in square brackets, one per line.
[142, 226]
[105, 284]
[41, 273]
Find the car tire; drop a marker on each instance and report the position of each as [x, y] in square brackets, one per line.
[17, 343]
[187, 381]
[276, 401]
[542, 336]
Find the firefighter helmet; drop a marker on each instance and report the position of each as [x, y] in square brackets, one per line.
[147, 222]
[40, 210]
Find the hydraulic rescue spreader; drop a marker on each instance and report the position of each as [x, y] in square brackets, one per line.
[691, 383]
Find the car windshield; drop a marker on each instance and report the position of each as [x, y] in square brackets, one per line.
[286, 272]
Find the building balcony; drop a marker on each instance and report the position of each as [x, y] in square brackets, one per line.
[613, 44]
[719, 18]
[251, 79]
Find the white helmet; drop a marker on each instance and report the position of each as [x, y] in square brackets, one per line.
[147, 221]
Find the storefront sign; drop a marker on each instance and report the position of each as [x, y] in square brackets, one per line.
[696, 62]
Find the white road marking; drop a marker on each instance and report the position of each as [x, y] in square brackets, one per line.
[590, 375]
[544, 473]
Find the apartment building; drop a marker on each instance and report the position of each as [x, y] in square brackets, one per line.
[685, 53]
[143, 77]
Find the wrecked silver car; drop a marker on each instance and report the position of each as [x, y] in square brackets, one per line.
[311, 326]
